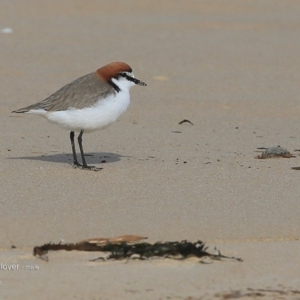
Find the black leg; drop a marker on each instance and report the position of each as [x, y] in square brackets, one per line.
[81, 149]
[84, 164]
[75, 161]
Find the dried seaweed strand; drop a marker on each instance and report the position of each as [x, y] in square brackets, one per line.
[120, 251]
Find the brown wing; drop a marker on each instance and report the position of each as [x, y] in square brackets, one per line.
[80, 93]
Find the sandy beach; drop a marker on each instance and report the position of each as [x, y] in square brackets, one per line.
[229, 67]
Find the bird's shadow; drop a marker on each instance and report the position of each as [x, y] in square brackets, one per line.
[91, 158]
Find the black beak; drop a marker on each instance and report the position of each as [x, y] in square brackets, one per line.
[134, 80]
[139, 82]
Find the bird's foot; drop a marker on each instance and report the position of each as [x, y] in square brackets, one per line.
[85, 167]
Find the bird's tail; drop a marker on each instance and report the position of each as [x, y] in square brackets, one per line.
[21, 110]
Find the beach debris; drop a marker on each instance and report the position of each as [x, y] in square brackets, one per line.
[129, 247]
[273, 152]
[250, 293]
[129, 239]
[185, 121]
[94, 244]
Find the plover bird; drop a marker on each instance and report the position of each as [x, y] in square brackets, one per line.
[89, 103]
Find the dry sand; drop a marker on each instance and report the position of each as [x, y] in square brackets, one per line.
[230, 67]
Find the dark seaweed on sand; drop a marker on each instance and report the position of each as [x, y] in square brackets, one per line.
[120, 251]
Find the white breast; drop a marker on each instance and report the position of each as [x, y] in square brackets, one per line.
[102, 114]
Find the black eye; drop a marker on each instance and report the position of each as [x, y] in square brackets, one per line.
[125, 75]
[129, 78]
